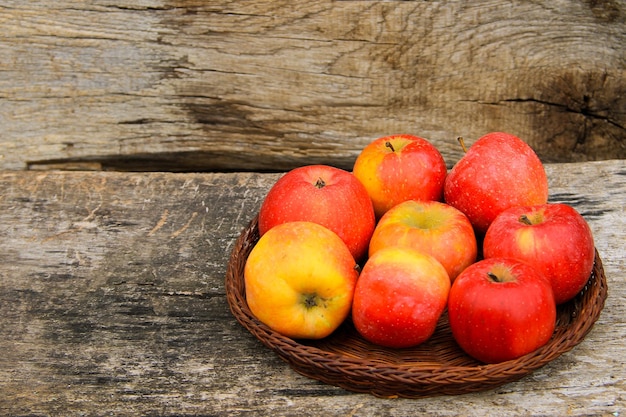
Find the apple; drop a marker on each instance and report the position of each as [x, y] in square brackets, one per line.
[326, 195]
[552, 237]
[299, 280]
[397, 168]
[497, 172]
[431, 227]
[501, 309]
[399, 297]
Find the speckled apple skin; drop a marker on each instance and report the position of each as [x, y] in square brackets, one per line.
[431, 227]
[498, 321]
[561, 246]
[498, 171]
[342, 204]
[413, 170]
[399, 297]
[291, 262]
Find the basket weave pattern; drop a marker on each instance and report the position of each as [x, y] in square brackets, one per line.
[436, 367]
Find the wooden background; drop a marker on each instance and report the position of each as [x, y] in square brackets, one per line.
[111, 283]
[267, 85]
[112, 302]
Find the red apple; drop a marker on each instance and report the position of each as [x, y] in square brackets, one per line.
[397, 168]
[399, 297]
[299, 280]
[501, 309]
[431, 227]
[554, 238]
[326, 195]
[499, 171]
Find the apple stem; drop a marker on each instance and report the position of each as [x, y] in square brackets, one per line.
[493, 277]
[320, 183]
[462, 142]
[524, 219]
[390, 146]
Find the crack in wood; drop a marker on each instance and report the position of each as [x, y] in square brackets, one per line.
[584, 109]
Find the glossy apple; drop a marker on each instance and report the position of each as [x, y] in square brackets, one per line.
[501, 309]
[299, 280]
[325, 195]
[554, 238]
[431, 227]
[399, 297]
[498, 171]
[397, 168]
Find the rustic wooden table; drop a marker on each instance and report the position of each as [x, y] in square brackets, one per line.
[112, 298]
[112, 302]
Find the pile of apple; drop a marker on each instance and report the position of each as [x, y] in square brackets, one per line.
[400, 240]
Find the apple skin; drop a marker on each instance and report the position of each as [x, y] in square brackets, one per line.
[431, 227]
[341, 204]
[553, 237]
[409, 168]
[299, 280]
[498, 321]
[497, 172]
[399, 297]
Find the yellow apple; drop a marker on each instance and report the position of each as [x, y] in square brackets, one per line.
[432, 227]
[300, 279]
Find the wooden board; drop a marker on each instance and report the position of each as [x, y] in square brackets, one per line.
[268, 85]
[112, 302]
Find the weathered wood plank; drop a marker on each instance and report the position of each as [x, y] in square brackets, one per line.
[257, 85]
[112, 302]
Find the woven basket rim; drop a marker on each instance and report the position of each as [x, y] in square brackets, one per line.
[369, 369]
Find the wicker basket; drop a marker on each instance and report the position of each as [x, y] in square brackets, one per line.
[436, 367]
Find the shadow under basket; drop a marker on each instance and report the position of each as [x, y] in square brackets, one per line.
[436, 367]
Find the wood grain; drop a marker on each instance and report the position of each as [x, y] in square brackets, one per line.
[112, 303]
[193, 86]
